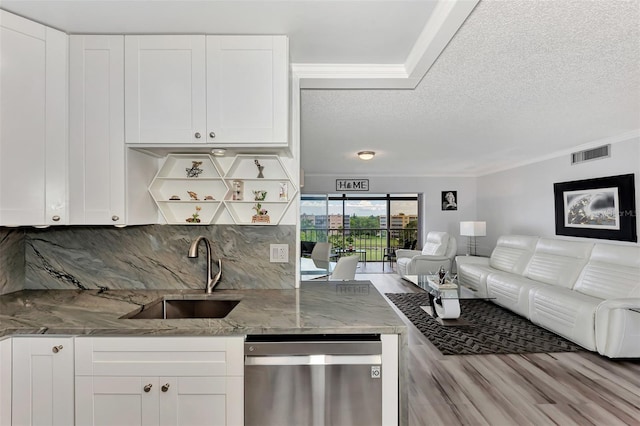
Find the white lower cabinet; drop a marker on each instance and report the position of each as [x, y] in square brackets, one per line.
[42, 381]
[159, 381]
[137, 400]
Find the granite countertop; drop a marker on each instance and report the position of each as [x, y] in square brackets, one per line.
[317, 307]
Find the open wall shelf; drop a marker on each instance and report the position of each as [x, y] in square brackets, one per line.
[246, 189]
[184, 177]
[188, 188]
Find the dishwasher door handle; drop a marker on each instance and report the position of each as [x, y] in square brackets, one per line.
[314, 360]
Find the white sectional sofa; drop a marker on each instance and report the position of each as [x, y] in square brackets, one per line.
[587, 292]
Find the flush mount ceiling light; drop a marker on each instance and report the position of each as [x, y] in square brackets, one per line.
[218, 152]
[366, 155]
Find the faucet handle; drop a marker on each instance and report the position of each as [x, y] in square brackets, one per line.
[218, 275]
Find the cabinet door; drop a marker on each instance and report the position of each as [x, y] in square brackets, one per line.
[42, 382]
[186, 401]
[247, 90]
[33, 135]
[96, 137]
[116, 401]
[165, 89]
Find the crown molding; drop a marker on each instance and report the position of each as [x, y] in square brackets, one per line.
[352, 76]
[446, 19]
[441, 27]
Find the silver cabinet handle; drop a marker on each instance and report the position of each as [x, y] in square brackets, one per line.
[165, 387]
[147, 388]
[56, 218]
[212, 135]
[197, 135]
[56, 349]
[115, 218]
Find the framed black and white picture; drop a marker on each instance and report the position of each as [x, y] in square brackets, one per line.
[597, 208]
[449, 200]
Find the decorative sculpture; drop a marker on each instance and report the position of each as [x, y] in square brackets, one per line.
[195, 218]
[259, 195]
[261, 214]
[195, 169]
[260, 169]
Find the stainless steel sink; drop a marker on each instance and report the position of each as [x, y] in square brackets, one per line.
[169, 308]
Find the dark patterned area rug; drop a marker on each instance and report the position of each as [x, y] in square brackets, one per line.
[491, 329]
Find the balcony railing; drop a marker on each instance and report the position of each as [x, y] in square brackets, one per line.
[373, 240]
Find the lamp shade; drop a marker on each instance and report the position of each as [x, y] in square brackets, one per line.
[473, 229]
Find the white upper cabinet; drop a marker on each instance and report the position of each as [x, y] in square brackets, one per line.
[247, 90]
[165, 89]
[221, 90]
[96, 130]
[33, 113]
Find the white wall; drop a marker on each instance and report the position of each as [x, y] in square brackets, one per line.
[434, 219]
[520, 200]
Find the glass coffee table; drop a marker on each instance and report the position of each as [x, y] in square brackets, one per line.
[443, 298]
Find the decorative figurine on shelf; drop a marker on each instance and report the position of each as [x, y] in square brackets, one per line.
[259, 210]
[195, 218]
[195, 169]
[174, 198]
[209, 198]
[261, 214]
[441, 274]
[259, 195]
[193, 195]
[260, 169]
[238, 188]
[283, 194]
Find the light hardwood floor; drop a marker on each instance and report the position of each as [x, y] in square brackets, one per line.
[581, 388]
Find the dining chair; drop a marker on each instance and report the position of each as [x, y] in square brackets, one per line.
[345, 269]
[321, 254]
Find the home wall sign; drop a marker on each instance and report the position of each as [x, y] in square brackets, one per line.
[345, 185]
[597, 208]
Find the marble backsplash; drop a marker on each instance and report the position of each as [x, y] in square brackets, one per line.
[155, 257]
[11, 260]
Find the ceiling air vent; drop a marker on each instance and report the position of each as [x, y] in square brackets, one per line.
[591, 154]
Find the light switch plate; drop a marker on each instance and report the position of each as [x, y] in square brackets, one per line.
[279, 253]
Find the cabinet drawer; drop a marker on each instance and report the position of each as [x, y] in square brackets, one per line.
[159, 356]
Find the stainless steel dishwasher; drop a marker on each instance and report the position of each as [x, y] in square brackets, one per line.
[313, 380]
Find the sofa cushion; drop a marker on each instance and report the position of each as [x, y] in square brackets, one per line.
[436, 244]
[558, 262]
[612, 272]
[474, 276]
[511, 291]
[512, 253]
[565, 312]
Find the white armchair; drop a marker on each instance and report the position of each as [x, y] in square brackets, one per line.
[439, 250]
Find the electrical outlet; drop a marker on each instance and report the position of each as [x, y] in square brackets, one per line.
[279, 253]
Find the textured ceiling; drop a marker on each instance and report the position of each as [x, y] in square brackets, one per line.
[520, 80]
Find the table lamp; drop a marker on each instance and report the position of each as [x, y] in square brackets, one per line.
[473, 230]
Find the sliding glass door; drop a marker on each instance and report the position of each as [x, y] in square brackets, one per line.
[369, 225]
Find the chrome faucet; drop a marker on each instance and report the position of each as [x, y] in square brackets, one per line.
[193, 253]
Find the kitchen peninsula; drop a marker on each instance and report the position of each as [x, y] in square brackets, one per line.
[315, 308]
